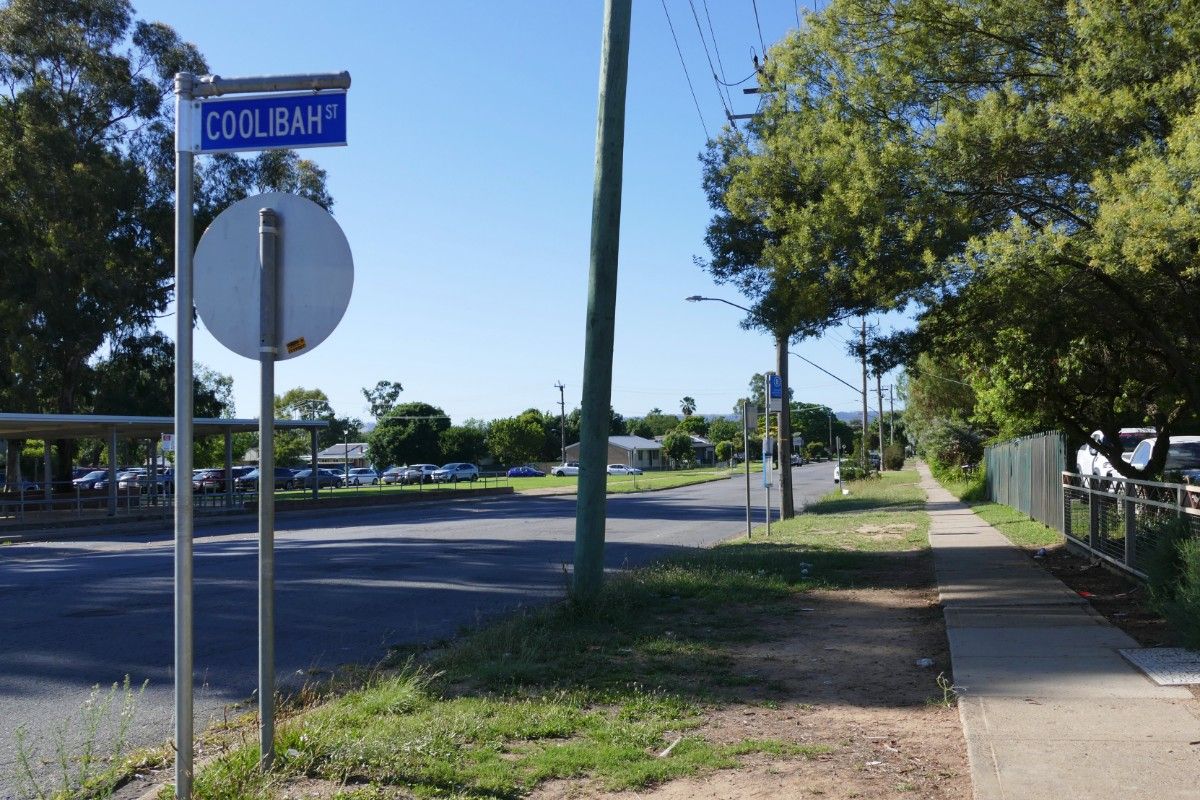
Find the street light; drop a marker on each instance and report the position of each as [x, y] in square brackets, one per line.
[787, 509]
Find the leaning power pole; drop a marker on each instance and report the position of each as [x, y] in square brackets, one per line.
[562, 419]
[602, 301]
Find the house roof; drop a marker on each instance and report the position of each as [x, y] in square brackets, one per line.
[343, 450]
[630, 443]
[79, 426]
[634, 443]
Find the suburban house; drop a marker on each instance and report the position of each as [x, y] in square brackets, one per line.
[706, 451]
[339, 455]
[633, 451]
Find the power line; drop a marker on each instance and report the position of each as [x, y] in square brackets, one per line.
[743, 80]
[688, 77]
[758, 25]
[717, 51]
[726, 107]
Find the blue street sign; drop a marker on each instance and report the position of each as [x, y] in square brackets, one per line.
[272, 122]
[776, 386]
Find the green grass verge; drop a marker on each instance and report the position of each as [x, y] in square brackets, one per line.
[597, 690]
[1020, 529]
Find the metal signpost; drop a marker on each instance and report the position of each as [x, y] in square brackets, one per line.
[770, 381]
[746, 455]
[312, 113]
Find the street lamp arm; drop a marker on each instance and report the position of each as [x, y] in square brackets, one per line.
[827, 372]
[697, 298]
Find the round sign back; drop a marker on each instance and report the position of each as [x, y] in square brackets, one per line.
[315, 275]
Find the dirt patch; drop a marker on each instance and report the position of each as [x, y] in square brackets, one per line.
[838, 675]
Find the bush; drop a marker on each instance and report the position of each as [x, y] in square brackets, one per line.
[852, 471]
[951, 443]
[1173, 572]
[814, 451]
[893, 457]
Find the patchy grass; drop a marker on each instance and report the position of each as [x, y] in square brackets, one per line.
[614, 691]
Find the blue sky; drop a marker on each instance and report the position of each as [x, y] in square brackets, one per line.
[465, 193]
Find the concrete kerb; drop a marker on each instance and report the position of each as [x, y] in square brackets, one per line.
[1049, 708]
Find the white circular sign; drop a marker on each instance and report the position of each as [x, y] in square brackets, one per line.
[315, 275]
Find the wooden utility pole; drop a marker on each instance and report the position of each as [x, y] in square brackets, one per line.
[562, 419]
[590, 512]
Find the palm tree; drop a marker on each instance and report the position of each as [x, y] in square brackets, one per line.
[688, 406]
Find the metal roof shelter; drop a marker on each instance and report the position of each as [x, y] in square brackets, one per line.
[50, 427]
[80, 426]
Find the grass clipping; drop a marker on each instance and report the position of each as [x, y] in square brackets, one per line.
[612, 691]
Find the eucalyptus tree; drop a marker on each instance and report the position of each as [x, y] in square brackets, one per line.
[86, 192]
[1024, 170]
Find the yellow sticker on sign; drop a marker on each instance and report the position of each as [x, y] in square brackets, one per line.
[296, 345]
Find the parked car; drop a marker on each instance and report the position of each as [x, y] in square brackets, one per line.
[1091, 462]
[362, 476]
[326, 478]
[623, 469]
[213, 480]
[567, 468]
[284, 479]
[418, 473]
[21, 486]
[89, 480]
[1183, 453]
[797, 460]
[526, 471]
[456, 471]
[391, 475]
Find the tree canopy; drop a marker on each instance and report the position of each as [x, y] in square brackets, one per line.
[1024, 171]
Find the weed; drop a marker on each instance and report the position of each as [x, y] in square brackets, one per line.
[949, 692]
[86, 765]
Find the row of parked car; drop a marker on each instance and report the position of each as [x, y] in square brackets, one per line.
[1137, 444]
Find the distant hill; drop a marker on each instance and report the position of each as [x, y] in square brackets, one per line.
[851, 416]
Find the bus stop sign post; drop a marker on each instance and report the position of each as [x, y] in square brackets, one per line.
[188, 144]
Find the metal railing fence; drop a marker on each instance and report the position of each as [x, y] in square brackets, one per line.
[1122, 520]
[1025, 473]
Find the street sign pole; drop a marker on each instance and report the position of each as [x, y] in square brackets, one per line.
[304, 119]
[767, 444]
[267, 350]
[184, 165]
[746, 456]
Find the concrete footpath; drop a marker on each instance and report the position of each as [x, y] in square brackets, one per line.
[1050, 709]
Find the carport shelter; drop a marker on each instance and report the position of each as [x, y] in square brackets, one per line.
[51, 427]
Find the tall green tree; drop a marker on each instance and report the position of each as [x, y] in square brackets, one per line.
[86, 192]
[516, 440]
[383, 397]
[409, 434]
[464, 442]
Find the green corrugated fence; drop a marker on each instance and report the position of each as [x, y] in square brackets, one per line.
[1026, 473]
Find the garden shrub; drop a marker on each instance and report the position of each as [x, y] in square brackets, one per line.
[893, 457]
[1173, 572]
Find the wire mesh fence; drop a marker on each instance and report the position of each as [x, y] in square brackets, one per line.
[1122, 520]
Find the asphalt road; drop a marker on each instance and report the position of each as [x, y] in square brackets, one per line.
[348, 585]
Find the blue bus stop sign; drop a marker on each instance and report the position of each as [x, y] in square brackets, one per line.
[776, 387]
[271, 122]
